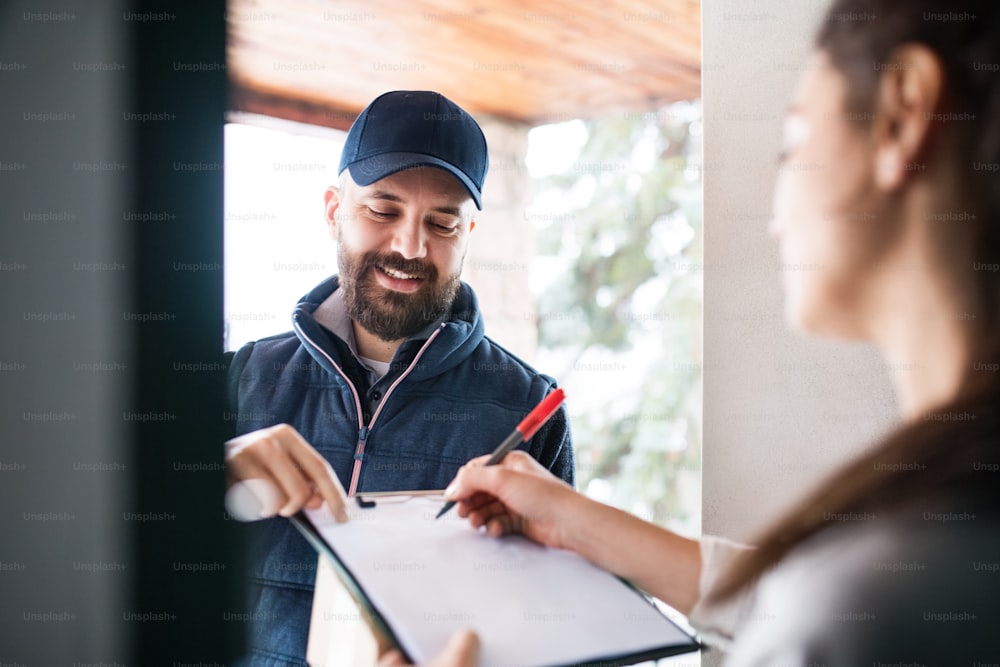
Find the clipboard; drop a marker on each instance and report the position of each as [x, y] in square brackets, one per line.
[380, 631]
[418, 581]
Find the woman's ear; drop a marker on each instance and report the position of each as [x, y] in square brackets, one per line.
[907, 106]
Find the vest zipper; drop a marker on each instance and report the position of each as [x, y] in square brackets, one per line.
[364, 431]
[354, 391]
[360, 454]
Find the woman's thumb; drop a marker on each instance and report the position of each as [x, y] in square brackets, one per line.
[462, 650]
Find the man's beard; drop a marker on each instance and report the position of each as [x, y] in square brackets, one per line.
[388, 314]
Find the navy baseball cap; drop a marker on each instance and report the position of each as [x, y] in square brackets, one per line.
[416, 128]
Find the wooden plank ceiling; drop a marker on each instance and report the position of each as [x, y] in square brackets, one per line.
[322, 61]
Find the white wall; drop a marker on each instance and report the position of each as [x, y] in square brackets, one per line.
[780, 409]
[503, 243]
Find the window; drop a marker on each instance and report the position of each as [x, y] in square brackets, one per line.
[277, 245]
[618, 283]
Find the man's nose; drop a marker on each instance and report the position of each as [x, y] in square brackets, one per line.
[409, 239]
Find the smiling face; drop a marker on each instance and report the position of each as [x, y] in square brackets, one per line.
[401, 244]
[835, 227]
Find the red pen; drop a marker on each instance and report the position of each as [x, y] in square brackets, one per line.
[527, 428]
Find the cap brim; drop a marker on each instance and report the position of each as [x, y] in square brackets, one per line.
[377, 167]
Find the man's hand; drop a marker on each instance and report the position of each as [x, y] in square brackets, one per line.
[299, 474]
[462, 650]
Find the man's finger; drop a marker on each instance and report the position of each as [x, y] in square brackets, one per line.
[291, 480]
[324, 479]
[319, 472]
[242, 467]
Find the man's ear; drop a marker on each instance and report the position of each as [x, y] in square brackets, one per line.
[909, 96]
[472, 225]
[331, 197]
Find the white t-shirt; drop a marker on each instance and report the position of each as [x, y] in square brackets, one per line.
[378, 368]
[332, 314]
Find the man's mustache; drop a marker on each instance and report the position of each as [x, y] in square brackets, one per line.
[397, 262]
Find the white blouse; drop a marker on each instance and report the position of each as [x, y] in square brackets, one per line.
[873, 590]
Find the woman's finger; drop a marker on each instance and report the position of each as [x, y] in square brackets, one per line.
[462, 650]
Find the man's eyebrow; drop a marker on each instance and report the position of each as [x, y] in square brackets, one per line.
[449, 210]
[388, 196]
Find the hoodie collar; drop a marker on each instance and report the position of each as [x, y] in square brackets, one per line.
[462, 327]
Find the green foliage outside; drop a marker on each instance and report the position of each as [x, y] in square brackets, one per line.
[620, 321]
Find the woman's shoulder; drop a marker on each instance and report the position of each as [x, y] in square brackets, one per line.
[912, 585]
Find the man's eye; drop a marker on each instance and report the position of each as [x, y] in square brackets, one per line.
[380, 214]
[445, 229]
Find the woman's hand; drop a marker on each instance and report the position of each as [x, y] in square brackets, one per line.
[516, 496]
[521, 496]
[462, 650]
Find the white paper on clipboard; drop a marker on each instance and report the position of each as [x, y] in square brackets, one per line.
[530, 605]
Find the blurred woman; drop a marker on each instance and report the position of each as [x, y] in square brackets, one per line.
[895, 558]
